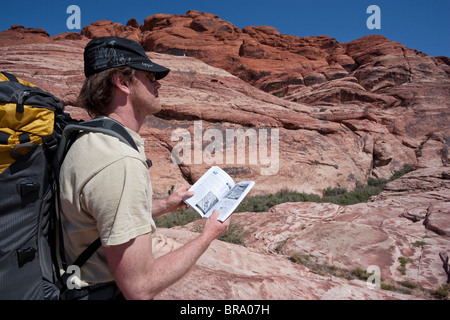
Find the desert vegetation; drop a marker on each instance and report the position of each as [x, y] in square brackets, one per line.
[262, 203]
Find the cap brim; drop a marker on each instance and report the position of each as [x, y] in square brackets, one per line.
[159, 71]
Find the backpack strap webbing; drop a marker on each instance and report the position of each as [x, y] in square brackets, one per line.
[10, 76]
[87, 253]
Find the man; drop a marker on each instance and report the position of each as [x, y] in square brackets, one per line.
[105, 184]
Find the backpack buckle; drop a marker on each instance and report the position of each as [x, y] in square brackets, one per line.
[50, 142]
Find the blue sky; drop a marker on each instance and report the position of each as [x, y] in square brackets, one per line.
[419, 24]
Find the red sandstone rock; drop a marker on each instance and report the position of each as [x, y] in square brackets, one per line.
[289, 66]
[104, 28]
[350, 112]
[20, 35]
[68, 36]
[233, 272]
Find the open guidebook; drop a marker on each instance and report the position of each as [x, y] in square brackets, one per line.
[216, 190]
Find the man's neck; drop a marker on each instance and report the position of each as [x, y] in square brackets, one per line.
[126, 120]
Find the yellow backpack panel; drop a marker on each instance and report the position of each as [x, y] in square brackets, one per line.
[21, 131]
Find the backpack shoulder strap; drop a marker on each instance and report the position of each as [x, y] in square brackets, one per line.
[79, 262]
[102, 125]
[111, 127]
[10, 76]
[87, 253]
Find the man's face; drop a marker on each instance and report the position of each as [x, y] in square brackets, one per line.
[144, 94]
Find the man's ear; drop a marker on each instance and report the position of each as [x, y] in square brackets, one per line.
[121, 82]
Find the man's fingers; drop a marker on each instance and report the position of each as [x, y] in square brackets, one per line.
[215, 215]
[183, 192]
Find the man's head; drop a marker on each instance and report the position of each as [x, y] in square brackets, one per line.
[113, 64]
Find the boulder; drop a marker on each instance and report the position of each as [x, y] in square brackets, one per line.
[18, 34]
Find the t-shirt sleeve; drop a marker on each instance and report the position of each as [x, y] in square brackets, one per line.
[120, 200]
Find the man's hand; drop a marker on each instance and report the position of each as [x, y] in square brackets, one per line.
[175, 201]
[172, 203]
[214, 228]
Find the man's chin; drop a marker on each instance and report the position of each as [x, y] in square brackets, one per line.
[157, 108]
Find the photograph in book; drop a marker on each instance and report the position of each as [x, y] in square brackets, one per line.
[207, 202]
[216, 190]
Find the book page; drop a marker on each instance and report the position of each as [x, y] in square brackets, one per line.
[232, 198]
[208, 190]
[216, 190]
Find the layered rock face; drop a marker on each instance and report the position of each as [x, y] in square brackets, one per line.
[315, 113]
[361, 109]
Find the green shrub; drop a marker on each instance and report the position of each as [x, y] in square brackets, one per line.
[403, 261]
[387, 287]
[179, 218]
[361, 274]
[419, 243]
[404, 170]
[408, 284]
[298, 258]
[442, 292]
[280, 245]
[331, 192]
[377, 183]
[262, 203]
[234, 234]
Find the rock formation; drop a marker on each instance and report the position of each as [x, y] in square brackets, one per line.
[340, 112]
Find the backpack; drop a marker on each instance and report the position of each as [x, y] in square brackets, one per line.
[35, 134]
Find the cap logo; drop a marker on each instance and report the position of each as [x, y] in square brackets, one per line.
[147, 65]
[107, 56]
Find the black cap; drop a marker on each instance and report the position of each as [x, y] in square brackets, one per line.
[111, 52]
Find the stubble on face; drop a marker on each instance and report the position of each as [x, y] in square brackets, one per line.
[145, 96]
